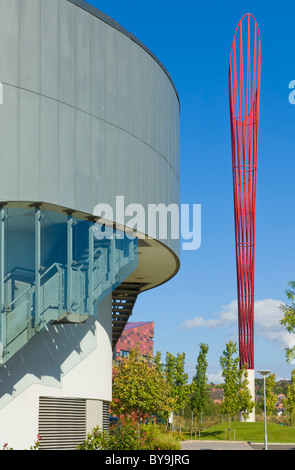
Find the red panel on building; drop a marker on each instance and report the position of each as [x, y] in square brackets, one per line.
[141, 333]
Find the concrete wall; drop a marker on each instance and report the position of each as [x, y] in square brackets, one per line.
[73, 361]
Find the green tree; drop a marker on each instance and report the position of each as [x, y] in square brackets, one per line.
[288, 319]
[270, 396]
[237, 398]
[282, 387]
[200, 397]
[158, 361]
[230, 374]
[177, 379]
[289, 401]
[139, 388]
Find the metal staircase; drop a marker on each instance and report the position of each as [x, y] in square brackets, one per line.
[123, 301]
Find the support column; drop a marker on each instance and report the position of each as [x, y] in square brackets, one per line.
[251, 386]
[113, 260]
[2, 300]
[90, 270]
[70, 224]
[38, 217]
[251, 378]
[131, 250]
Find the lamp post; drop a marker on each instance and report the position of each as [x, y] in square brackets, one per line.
[264, 373]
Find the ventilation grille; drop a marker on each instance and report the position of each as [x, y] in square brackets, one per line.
[62, 423]
[105, 416]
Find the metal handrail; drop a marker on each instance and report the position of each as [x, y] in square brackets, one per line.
[20, 311]
[19, 297]
[86, 261]
[31, 286]
[58, 265]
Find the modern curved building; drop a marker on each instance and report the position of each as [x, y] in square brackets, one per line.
[89, 116]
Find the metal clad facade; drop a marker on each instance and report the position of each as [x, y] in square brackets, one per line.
[66, 73]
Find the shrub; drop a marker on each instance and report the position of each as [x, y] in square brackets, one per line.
[127, 435]
[166, 442]
[124, 435]
[156, 437]
[5, 447]
[96, 440]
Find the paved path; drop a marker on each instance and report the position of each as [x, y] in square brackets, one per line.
[233, 445]
[215, 445]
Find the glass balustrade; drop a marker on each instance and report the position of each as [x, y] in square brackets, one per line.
[55, 267]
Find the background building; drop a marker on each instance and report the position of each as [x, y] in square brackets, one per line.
[88, 114]
[136, 333]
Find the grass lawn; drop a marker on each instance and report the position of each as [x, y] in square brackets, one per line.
[253, 432]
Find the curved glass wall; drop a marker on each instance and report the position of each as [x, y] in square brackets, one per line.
[54, 267]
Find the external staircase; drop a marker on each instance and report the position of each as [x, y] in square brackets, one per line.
[67, 293]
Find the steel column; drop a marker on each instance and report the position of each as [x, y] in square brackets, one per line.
[112, 266]
[70, 224]
[38, 217]
[2, 292]
[90, 270]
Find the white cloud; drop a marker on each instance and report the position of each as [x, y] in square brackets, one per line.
[215, 378]
[226, 317]
[267, 316]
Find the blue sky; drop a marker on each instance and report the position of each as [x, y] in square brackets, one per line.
[193, 41]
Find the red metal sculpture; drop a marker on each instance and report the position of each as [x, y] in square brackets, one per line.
[244, 91]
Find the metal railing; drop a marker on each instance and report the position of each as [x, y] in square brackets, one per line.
[90, 282]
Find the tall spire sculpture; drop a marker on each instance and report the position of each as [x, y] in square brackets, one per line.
[244, 94]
